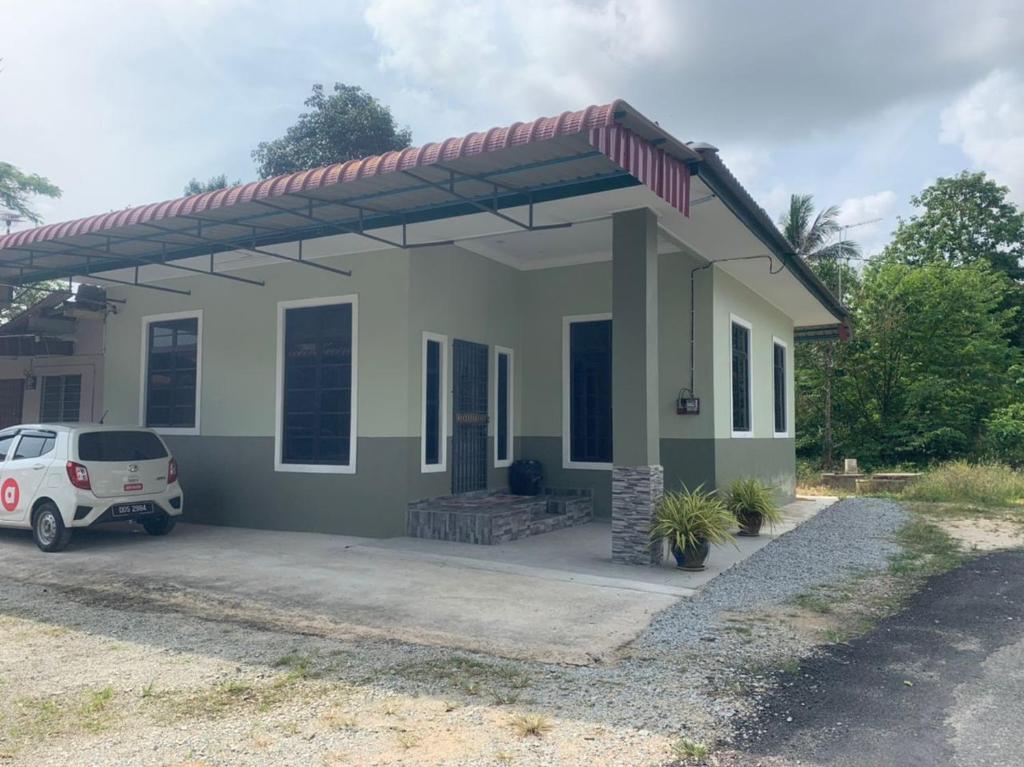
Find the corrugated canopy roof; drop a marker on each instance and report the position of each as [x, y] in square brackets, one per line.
[595, 149]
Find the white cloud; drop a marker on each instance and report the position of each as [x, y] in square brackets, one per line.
[987, 123]
[870, 219]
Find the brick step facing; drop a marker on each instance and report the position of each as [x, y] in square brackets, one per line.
[492, 518]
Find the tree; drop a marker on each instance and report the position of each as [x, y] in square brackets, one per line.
[967, 219]
[17, 188]
[964, 219]
[346, 125]
[195, 186]
[817, 239]
[929, 362]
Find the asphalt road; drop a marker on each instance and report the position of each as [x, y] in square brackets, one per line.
[941, 683]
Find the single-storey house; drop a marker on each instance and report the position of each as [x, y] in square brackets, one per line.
[51, 360]
[330, 349]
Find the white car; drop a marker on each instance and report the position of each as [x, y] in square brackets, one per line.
[56, 477]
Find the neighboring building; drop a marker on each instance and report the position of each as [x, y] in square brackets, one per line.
[404, 327]
[51, 362]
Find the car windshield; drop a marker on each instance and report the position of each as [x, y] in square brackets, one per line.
[120, 446]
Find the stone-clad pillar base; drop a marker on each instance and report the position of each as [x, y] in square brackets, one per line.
[636, 491]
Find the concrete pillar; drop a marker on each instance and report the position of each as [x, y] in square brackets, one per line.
[637, 476]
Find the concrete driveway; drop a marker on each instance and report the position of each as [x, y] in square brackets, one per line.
[555, 597]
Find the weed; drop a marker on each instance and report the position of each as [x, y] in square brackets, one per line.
[531, 724]
[298, 666]
[503, 758]
[506, 698]
[816, 603]
[988, 484]
[926, 550]
[339, 720]
[407, 740]
[149, 690]
[687, 749]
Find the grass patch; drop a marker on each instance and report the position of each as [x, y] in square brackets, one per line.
[531, 725]
[469, 676]
[689, 750]
[926, 550]
[41, 718]
[985, 484]
[815, 602]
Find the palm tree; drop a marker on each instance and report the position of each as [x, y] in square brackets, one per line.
[818, 239]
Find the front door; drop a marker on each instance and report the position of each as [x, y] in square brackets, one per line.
[469, 417]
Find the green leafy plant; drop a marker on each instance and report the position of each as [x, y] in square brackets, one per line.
[749, 495]
[686, 517]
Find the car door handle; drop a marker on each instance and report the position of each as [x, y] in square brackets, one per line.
[39, 466]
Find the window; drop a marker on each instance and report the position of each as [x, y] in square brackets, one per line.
[741, 421]
[587, 392]
[5, 445]
[120, 446]
[503, 424]
[316, 385]
[779, 387]
[435, 403]
[34, 445]
[60, 399]
[170, 397]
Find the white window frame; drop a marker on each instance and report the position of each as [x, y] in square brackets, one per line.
[498, 351]
[735, 319]
[148, 320]
[317, 468]
[785, 374]
[434, 468]
[567, 463]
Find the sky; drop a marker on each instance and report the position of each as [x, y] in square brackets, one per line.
[121, 102]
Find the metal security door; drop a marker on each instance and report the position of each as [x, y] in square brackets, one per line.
[12, 393]
[469, 417]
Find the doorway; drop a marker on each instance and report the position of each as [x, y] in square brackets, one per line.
[469, 416]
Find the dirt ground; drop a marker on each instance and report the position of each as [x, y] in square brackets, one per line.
[164, 676]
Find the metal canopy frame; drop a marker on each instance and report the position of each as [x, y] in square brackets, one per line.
[259, 233]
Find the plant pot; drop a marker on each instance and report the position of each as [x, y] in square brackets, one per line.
[692, 557]
[750, 523]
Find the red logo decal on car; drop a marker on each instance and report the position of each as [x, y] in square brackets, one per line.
[9, 494]
[133, 486]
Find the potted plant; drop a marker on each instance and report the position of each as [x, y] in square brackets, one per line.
[752, 503]
[691, 520]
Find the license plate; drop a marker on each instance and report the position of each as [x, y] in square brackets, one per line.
[129, 509]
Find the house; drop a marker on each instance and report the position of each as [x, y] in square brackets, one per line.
[326, 349]
[51, 360]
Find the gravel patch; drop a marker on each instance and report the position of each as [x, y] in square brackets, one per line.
[370, 702]
[850, 536]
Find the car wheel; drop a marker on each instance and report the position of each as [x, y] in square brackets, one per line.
[48, 529]
[160, 525]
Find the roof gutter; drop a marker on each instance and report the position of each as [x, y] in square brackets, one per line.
[713, 172]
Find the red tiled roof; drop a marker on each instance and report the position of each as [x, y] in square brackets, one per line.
[495, 139]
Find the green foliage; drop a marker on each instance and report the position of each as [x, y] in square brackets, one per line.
[929, 362]
[346, 125]
[986, 484]
[688, 516]
[1004, 435]
[748, 495]
[212, 184]
[687, 750]
[815, 237]
[967, 219]
[18, 188]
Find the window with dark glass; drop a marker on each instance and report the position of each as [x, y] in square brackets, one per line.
[60, 400]
[740, 377]
[173, 362]
[503, 427]
[433, 449]
[590, 391]
[779, 376]
[317, 403]
[34, 445]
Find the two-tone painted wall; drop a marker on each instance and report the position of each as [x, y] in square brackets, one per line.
[228, 465]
